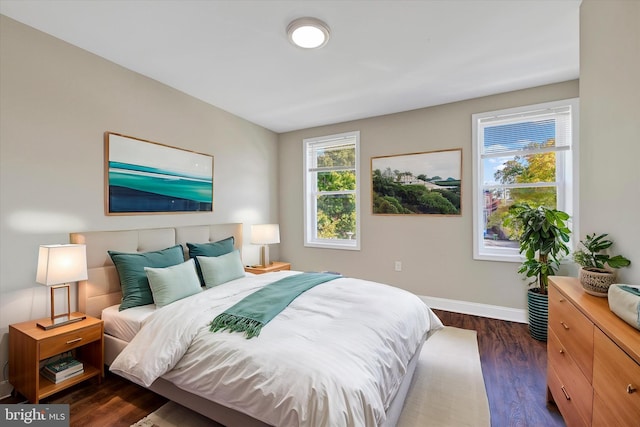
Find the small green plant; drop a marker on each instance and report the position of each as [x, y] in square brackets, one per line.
[542, 233]
[591, 256]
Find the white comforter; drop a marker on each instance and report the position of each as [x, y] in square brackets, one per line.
[334, 357]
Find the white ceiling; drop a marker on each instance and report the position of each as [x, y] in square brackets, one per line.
[383, 56]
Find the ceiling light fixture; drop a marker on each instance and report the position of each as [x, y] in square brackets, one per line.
[308, 33]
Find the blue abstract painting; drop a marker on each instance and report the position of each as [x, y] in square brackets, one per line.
[147, 177]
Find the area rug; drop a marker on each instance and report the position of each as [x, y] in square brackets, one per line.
[447, 389]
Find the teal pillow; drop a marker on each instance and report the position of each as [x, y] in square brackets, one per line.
[221, 247]
[221, 269]
[218, 248]
[133, 279]
[170, 284]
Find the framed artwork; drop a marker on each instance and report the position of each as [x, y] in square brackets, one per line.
[144, 177]
[417, 184]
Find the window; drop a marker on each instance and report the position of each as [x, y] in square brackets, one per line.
[521, 155]
[332, 191]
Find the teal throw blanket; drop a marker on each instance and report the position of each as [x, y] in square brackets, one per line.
[256, 310]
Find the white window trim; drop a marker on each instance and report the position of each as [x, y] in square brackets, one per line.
[570, 181]
[309, 199]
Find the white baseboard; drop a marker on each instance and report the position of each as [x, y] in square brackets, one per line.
[5, 389]
[476, 309]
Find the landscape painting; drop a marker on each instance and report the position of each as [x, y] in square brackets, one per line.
[144, 177]
[417, 184]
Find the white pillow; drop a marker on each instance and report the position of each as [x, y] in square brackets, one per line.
[170, 284]
[221, 269]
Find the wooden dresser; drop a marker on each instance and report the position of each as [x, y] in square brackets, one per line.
[593, 366]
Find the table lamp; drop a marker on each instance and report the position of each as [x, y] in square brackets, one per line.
[265, 235]
[58, 265]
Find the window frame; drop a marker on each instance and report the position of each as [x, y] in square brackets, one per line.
[567, 165]
[310, 193]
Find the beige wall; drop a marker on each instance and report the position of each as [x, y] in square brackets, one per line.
[435, 251]
[610, 126]
[56, 102]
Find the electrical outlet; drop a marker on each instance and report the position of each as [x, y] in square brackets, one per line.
[398, 266]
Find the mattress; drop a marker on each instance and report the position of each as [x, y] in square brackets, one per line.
[125, 324]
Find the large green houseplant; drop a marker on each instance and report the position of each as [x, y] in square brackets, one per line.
[543, 235]
[594, 275]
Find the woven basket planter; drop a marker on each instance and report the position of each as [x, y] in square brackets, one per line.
[596, 281]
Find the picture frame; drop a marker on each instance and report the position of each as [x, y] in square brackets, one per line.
[146, 177]
[425, 183]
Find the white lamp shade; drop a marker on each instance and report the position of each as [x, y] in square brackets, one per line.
[265, 234]
[61, 264]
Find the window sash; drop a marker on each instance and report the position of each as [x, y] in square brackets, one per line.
[565, 114]
[314, 148]
[510, 131]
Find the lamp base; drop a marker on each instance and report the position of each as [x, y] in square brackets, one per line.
[47, 324]
[264, 256]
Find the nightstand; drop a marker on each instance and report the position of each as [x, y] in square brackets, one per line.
[276, 266]
[29, 345]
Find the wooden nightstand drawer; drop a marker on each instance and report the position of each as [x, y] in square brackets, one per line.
[68, 341]
[616, 379]
[573, 330]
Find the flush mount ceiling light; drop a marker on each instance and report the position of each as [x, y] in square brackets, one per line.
[308, 33]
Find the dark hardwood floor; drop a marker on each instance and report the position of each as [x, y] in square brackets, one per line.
[514, 367]
[513, 364]
[115, 402]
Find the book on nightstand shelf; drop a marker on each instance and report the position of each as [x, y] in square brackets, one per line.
[62, 369]
[59, 379]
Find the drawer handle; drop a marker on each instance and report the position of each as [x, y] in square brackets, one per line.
[564, 325]
[562, 299]
[631, 389]
[566, 395]
[561, 351]
[76, 340]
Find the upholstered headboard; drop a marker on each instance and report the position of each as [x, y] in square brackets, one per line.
[102, 288]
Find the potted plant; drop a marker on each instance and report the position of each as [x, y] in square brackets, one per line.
[594, 275]
[542, 234]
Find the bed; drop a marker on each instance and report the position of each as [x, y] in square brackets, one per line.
[306, 375]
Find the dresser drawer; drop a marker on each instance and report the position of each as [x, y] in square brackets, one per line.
[603, 416]
[70, 340]
[573, 329]
[571, 390]
[615, 377]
